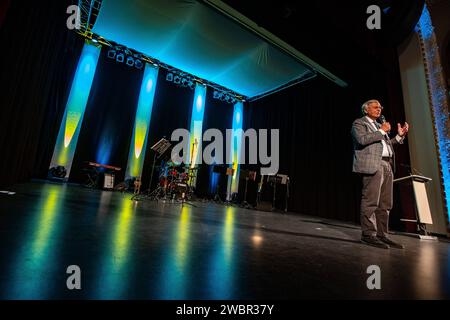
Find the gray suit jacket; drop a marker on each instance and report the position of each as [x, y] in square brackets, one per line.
[367, 147]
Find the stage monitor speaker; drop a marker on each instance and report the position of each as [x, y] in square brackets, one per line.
[57, 172]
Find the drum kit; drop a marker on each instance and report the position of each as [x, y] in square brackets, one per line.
[174, 182]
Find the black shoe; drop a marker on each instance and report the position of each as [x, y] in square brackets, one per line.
[391, 243]
[373, 241]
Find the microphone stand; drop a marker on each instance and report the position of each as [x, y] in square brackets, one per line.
[153, 169]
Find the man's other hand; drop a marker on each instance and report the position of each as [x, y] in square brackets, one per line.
[402, 131]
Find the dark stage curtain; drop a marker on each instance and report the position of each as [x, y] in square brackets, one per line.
[37, 62]
[107, 128]
[218, 115]
[171, 110]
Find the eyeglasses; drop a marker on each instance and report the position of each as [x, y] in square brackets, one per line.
[377, 107]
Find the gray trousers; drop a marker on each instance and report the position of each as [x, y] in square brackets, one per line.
[376, 201]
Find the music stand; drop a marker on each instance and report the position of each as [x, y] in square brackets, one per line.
[247, 175]
[281, 179]
[159, 149]
[285, 181]
[273, 180]
[220, 169]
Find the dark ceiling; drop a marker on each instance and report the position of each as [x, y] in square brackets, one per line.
[334, 33]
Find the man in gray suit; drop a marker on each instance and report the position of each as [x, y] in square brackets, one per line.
[374, 160]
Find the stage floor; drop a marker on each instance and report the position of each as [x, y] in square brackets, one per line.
[149, 250]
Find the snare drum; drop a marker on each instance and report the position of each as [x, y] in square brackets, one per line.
[183, 177]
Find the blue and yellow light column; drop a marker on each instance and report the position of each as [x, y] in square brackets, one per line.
[69, 130]
[235, 150]
[195, 138]
[139, 139]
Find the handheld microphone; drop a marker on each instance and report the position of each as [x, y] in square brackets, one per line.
[383, 120]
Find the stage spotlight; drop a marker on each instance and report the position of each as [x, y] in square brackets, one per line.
[111, 53]
[216, 94]
[130, 61]
[176, 80]
[120, 57]
[169, 77]
[191, 84]
[138, 64]
[184, 82]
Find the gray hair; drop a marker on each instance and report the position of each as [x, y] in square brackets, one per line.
[366, 104]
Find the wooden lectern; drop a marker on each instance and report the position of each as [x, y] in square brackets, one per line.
[422, 207]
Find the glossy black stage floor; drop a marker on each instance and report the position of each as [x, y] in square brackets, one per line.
[149, 250]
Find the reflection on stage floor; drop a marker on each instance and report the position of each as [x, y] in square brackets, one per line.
[201, 250]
